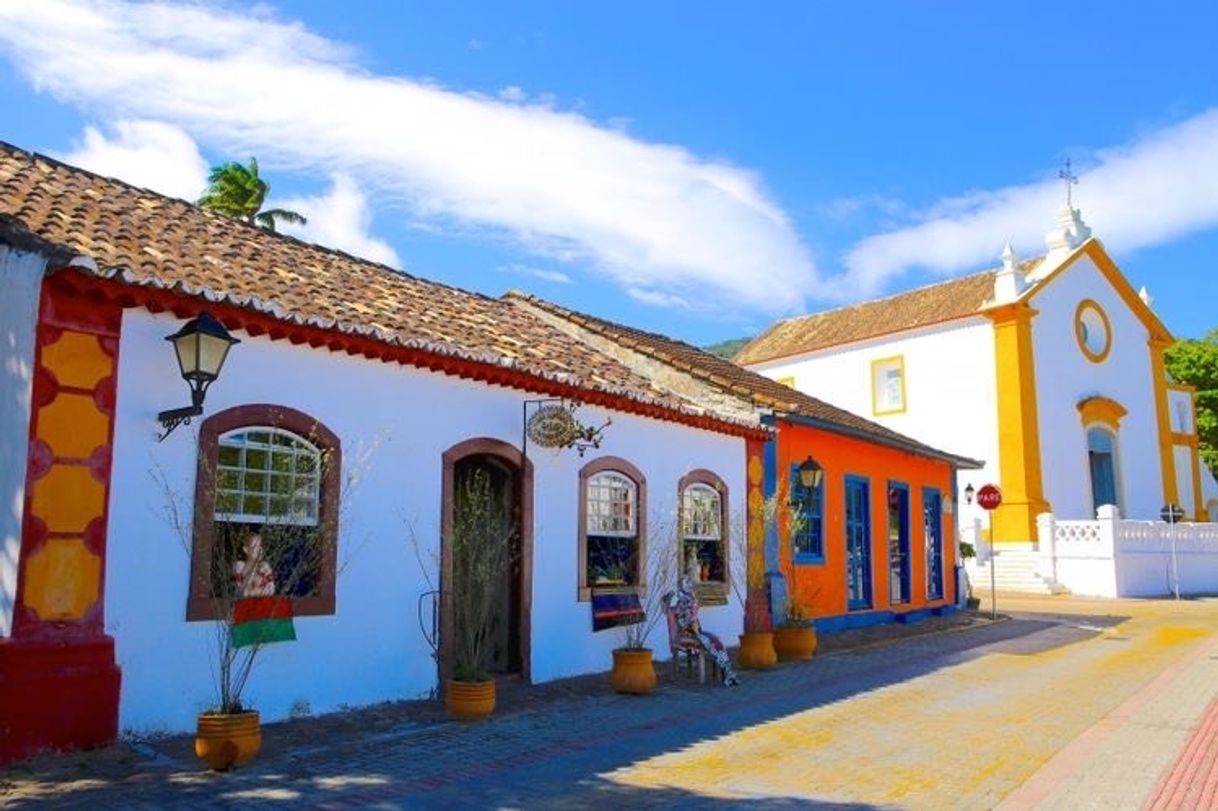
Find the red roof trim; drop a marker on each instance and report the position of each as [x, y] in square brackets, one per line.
[183, 306]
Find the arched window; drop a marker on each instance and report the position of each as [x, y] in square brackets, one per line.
[1102, 461]
[612, 537]
[704, 534]
[266, 506]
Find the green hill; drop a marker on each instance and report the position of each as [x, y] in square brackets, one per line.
[727, 349]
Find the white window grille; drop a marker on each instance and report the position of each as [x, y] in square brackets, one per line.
[267, 476]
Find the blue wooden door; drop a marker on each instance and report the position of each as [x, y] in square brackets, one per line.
[898, 543]
[932, 533]
[858, 543]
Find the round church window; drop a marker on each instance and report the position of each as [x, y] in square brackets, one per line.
[1093, 331]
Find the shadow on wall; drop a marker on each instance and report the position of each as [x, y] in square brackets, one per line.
[16, 374]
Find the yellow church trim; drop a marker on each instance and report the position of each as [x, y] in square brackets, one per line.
[1102, 410]
[1167, 459]
[1018, 426]
[1094, 250]
[1081, 331]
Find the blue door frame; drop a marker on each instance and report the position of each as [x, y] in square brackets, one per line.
[932, 532]
[898, 543]
[858, 542]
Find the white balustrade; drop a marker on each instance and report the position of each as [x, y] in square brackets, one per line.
[1111, 556]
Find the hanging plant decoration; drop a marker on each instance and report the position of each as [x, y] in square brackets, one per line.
[553, 425]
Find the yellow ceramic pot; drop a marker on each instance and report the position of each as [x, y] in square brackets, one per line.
[227, 741]
[470, 700]
[632, 671]
[757, 651]
[796, 642]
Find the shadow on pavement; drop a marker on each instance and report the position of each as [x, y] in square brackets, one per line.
[556, 755]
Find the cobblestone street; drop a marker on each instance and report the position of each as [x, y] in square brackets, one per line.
[1069, 704]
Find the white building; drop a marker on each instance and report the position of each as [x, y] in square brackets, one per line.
[345, 370]
[1051, 369]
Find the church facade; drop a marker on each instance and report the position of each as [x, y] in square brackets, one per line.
[1050, 369]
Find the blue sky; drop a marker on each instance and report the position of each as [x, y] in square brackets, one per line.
[695, 169]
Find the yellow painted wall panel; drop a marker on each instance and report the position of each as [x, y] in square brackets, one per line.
[72, 425]
[62, 579]
[77, 359]
[68, 498]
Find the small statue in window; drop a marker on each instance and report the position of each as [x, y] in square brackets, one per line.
[684, 605]
[252, 575]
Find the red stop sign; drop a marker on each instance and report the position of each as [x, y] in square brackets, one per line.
[989, 497]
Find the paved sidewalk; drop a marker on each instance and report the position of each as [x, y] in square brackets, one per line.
[1158, 749]
[952, 720]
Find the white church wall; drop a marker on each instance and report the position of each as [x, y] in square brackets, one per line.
[1064, 377]
[950, 390]
[402, 419]
[21, 276]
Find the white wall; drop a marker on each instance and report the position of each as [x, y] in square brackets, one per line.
[371, 649]
[1064, 376]
[950, 390]
[20, 285]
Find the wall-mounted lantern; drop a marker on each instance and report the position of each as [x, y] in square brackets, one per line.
[810, 473]
[969, 492]
[201, 345]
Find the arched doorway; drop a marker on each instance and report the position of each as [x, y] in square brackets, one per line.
[501, 473]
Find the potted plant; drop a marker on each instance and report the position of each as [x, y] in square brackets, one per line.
[757, 641]
[249, 579]
[482, 544]
[795, 636]
[633, 671]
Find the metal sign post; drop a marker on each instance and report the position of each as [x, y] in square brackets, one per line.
[1171, 514]
[988, 499]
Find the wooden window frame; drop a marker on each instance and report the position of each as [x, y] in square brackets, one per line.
[711, 592]
[200, 604]
[611, 464]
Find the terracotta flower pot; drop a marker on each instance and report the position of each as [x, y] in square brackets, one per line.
[227, 741]
[632, 671]
[795, 642]
[757, 651]
[470, 700]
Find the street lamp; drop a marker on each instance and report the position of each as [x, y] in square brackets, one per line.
[969, 492]
[201, 346]
[810, 473]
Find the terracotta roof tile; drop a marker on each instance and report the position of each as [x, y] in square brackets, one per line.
[729, 377]
[143, 238]
[945, 301]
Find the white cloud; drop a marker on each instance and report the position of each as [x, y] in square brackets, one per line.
[512, 93]
[657, 298]
[1144, 193]
[545, 274]
[339, 219]
[652, 216]
[151, 154]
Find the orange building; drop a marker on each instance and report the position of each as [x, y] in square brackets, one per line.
[873, 539]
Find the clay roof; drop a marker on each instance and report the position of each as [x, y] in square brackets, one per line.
[110, 229]
[731, 378]
[945, 301]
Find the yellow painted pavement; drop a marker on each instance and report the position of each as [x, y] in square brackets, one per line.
[960, 737]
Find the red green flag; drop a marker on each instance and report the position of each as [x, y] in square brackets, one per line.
[258, 620]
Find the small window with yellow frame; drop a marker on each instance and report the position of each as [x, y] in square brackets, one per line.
[888, 385]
